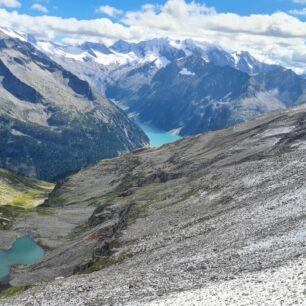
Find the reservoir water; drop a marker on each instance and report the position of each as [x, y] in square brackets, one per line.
[158, 137]
[24, 251]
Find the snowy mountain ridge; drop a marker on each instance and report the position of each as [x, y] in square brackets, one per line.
[160, 51]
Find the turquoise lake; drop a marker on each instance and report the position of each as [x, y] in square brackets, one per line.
[24, 251]
[158, 137]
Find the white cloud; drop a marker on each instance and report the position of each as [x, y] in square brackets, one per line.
[299, 1]
[296, 12]
[109, 11]
[278, 37]
[39, 7]
[10, 3]
[49, 27]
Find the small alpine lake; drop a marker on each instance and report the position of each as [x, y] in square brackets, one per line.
[24, 251]
[158, 137]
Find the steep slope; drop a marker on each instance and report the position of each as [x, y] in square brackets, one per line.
[192, 95]
[51, 122]
[207, 212]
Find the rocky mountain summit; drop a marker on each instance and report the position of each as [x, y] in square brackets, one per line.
[52, 123]
[188, 223]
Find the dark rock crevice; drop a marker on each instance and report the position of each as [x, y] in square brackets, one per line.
[17, 88]
[104, 234]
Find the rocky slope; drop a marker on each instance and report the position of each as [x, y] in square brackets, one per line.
[206, 213]
[51, 122]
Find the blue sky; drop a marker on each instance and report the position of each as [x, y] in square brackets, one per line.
[86, 9]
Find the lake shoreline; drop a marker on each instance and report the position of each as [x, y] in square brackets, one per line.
[23, 251]
[158, 137]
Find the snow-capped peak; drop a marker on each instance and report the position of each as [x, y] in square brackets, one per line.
[12, 34]
[92, 46]
[244, 61]
[122, 46]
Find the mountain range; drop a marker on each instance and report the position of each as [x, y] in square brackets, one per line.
[185, 86]
[52, 123]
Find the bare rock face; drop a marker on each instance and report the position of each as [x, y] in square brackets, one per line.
[51, 122]
[206, 212]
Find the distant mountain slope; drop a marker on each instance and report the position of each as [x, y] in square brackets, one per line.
[51, 122]
[193, 96]
[186, 86]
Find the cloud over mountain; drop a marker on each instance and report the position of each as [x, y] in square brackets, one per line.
[280, 35]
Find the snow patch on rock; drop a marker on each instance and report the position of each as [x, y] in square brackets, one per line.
[186, 72]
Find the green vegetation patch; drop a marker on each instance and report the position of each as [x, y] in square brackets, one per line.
[105, 262]
[78, 230]
[20, 191]
[8, 214]
[10, 292]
